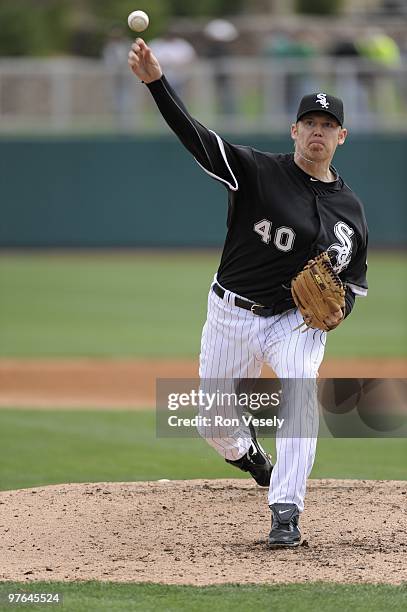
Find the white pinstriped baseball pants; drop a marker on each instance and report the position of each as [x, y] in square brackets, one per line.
[235, 345]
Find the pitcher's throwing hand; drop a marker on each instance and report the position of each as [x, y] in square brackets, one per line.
[143, 62]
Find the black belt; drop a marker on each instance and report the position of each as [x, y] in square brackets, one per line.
[257, 309]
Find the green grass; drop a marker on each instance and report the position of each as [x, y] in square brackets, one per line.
[154, 305]
[45, 447]
[102, 305]
[378, 324]
[93, 596]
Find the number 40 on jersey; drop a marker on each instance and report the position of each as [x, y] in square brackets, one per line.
[283, 237]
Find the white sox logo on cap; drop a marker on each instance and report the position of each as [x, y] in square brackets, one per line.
[321, 99]
[321, 102]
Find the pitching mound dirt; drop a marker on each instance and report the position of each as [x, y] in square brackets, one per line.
[201, 532]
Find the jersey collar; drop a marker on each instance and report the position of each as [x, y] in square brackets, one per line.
[313, 182]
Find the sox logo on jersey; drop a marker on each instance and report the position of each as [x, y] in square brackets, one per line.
[344, 248]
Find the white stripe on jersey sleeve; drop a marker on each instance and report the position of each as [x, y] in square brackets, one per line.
[234, 187]
[220, 143]
[361, 291]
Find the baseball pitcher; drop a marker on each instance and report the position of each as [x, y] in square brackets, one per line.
[293, 262]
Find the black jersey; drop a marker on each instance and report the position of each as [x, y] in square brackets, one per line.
[279, 216]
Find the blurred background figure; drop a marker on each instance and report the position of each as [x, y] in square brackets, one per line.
[288, 47]
[394, 7]
[219, 34]
[346, 50]
[114, 56]
[384, 54]
[175, 55]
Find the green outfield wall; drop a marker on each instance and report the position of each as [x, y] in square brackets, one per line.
[111, 191]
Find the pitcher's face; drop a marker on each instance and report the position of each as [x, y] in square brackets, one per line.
[317, 136]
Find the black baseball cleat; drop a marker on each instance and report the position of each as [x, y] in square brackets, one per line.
[284, 532]
[257, 462]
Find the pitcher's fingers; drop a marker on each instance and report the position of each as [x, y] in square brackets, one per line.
[133, 57]
[135, 48]
[144, 48]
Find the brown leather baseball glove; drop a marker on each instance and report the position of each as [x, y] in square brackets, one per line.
[318, 292]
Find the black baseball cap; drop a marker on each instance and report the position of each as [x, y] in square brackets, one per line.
[321, 102]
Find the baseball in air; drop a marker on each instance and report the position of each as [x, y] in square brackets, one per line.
[138, 21]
